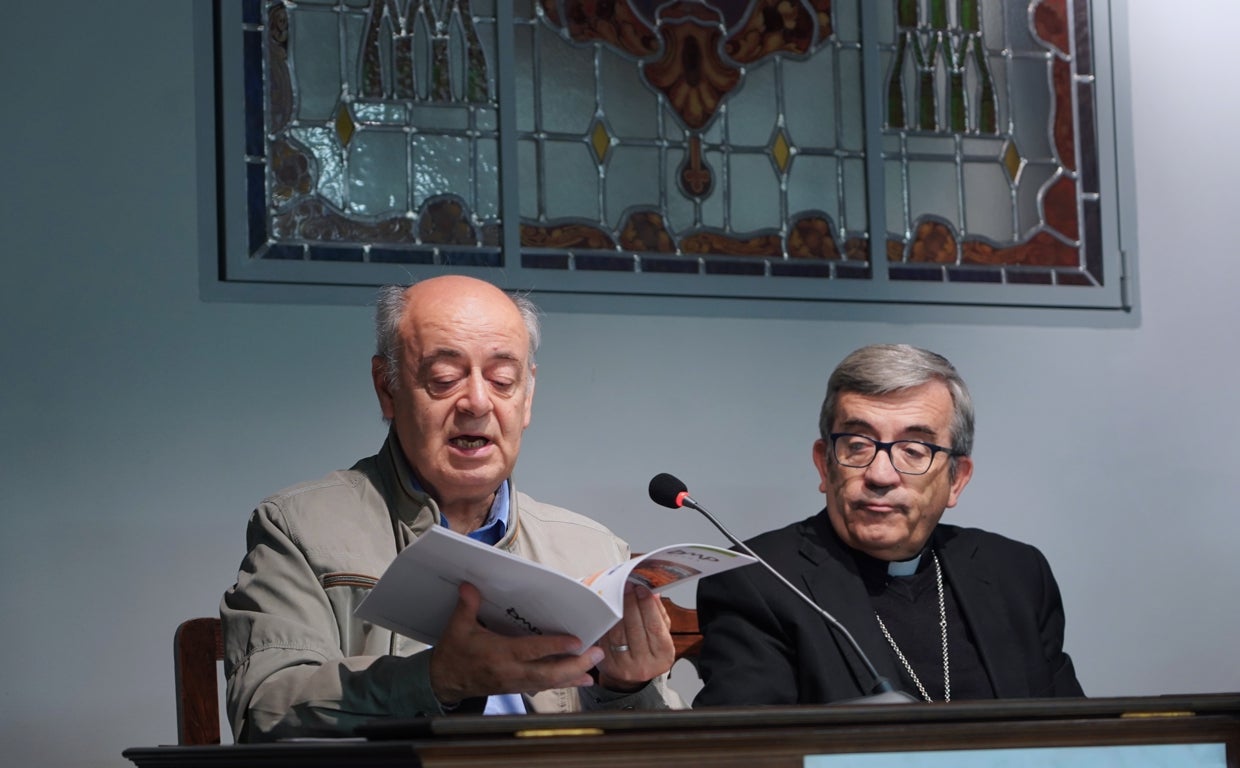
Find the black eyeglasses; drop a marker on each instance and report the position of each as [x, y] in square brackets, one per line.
[909, 457]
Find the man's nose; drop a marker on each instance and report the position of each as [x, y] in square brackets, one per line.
[882, 471]
[476, 399]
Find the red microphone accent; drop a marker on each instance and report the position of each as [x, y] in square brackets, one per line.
[680, 498]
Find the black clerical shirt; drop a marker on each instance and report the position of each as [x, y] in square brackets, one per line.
[909, 606]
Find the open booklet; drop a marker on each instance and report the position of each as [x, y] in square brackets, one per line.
[418, 592]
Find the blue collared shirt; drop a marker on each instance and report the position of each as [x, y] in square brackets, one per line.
[496, 524]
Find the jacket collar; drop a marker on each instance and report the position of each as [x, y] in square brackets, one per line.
[834, 583]
[985, 611]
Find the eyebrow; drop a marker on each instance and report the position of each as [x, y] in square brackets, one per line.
[453, 354]
[914, 429]
[448, 353]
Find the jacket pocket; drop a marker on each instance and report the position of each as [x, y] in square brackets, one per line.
[329, 580]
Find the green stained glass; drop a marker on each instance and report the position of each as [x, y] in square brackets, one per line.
[907, 13]
[968, 16]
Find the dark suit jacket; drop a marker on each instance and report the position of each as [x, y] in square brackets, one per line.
[764, 646]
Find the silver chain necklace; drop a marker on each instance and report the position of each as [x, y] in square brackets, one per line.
[947, 679]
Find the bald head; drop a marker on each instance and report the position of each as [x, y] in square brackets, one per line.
[396, 301]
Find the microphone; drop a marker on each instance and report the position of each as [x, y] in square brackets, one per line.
[669, 491]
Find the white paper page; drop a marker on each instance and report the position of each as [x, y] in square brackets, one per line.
[665, 567]
[418, 593]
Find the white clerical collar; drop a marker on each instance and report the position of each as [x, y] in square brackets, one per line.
[899, 568]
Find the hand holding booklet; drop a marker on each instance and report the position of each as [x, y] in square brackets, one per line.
[418, 592]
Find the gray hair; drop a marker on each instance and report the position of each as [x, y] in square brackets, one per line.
[881, 369]
[390, 308]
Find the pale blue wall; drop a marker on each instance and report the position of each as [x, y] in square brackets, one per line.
[140, 425]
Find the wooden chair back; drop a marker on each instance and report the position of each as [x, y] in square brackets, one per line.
[686, 635]
[198, 647]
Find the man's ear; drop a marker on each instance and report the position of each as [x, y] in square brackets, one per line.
[964, 471]
[529, 397]
[821, 461]
[378, 375]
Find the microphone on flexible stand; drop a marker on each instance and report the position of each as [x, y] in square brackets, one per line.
[669, 491]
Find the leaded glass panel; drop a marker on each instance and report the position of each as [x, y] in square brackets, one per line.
[378, 128]
[908, 150]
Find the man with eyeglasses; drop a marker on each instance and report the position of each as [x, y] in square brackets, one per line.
[943, 613]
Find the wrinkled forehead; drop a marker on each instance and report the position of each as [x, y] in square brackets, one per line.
[475, 324]
[924, 408]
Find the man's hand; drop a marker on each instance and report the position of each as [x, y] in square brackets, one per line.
[470, 660]
[639, 648]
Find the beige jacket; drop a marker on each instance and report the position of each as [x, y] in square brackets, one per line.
[299, 664]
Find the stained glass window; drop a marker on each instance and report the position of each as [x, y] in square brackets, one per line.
[875, 150]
